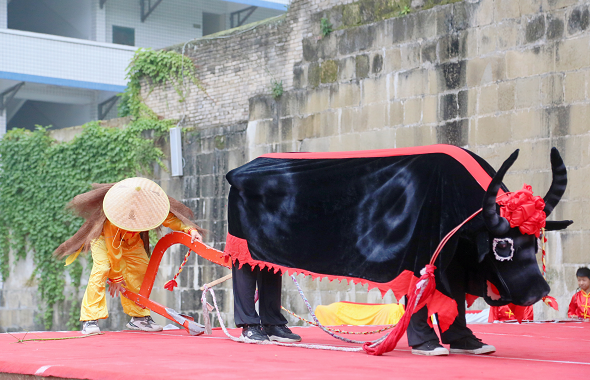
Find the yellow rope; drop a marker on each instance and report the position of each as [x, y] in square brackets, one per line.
[338, 330]
[64, 338]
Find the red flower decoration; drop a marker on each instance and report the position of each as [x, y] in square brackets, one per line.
[523, 210]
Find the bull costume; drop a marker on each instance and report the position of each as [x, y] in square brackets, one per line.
[118, 219]
[377, 217]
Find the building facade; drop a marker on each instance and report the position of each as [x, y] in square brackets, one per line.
[63, 61]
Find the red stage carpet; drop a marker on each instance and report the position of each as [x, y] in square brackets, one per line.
[528, 351]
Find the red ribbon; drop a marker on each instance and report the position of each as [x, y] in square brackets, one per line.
[523, 210]
[426, 291]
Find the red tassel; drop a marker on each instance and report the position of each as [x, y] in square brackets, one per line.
[551, 302]
[398, 331]
[170, 285]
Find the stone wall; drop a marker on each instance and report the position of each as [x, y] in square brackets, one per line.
[488, 75]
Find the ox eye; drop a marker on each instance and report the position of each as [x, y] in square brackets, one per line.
[503, 249]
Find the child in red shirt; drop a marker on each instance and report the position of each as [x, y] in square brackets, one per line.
[580, 305]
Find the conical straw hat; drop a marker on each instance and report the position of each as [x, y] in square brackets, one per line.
[136, 204]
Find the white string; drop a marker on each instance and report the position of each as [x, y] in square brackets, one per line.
[120, 242]
[268, 342]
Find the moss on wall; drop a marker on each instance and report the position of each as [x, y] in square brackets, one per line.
[329, 71]
[314, 74]
[433, 3]
[369, 11]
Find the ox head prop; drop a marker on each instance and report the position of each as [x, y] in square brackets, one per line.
[508, 253]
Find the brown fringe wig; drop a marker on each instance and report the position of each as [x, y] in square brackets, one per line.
[89, 206]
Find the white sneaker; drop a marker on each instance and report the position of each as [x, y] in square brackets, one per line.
[143, 324]
[90, 327]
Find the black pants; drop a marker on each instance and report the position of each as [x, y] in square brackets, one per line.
[269, 292]
[420, 332]
[455, 279]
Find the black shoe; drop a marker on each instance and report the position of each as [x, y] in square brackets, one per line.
[471, 345]
[253, 334]
[430, 348]
[281, 333]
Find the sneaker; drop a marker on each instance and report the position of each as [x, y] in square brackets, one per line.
[143, 324]
[471, 345]
[281, 333]
[90, 327]
[430, 348]
[253, 334]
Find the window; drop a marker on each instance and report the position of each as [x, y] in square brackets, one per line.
[123, 36]
[213, 23]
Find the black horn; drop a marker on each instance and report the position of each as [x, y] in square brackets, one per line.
[558, 184]
[495, 223]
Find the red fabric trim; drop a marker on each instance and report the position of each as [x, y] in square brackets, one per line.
[403, 284]
[445, 309]
[458, 154]
[470, 298]
[116, 279]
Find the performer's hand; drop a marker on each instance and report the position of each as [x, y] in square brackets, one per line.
[116, 287]
[196, 236]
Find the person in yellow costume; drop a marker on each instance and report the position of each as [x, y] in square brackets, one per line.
[118, 219]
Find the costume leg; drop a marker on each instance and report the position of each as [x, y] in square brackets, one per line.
[459, 327]
[456, 276]
[136, 263]
[94, 305]
[419, 331]
[244, 286]
[269, 289]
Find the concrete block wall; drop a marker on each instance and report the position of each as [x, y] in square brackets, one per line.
[491, 76]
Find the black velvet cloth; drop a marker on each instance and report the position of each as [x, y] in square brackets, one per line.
[368, 218]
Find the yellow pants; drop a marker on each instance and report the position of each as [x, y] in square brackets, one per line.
[94, 304]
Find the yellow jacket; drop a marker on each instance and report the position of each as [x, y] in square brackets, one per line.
[119, 241]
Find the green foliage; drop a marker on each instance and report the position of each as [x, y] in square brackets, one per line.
[405, 10]
[276, 87]
[157, 68]
[325, 26]
[433, 3]
[38, 176]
